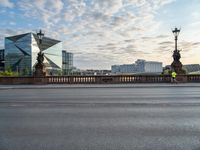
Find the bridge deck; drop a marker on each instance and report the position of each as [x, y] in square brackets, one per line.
[144, 116]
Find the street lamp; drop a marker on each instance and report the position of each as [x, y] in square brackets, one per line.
[176, 64]
[40, 36]
[39, 67]
[176, 32]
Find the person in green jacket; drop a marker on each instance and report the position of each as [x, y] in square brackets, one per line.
[174, 76]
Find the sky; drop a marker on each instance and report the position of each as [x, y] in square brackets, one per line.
[102, 33]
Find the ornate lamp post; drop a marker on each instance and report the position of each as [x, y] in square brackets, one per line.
[176, 34]
[39, 67]
[176, 64]
[40, 36]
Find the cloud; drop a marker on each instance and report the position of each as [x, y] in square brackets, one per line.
[6, 3]
[195, 15]
[107, 7]
[189, 46]
[166, 43]
[111, 31]
[47, 11]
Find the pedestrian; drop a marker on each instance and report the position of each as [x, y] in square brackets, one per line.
[174, 77]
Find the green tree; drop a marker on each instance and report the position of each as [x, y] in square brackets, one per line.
[8, 74]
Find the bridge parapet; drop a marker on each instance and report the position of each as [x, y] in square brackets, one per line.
[113, 79]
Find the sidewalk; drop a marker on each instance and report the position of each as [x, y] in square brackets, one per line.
[63, 86]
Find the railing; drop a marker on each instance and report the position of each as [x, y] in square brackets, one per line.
[107, 79]
[114, 79]
[22, 80]
[193, 78]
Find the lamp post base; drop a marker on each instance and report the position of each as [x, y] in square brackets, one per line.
[177, 67]
[39, 70]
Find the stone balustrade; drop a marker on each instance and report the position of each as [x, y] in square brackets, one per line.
[111, 79]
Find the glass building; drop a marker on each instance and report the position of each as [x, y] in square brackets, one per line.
[67, 62]
[1, 59]
[21, 54]
[192, 68]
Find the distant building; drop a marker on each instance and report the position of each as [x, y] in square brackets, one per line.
[2, 63]
[192, 68]
[140, 66]
[21, 54]
[95, 72]
[115, 69]
[144, 66]
[189, 68]
[67, 63]
[126, 68]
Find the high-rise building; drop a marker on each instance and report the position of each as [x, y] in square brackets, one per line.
[67, 62]
[2, 64]
[21, 54]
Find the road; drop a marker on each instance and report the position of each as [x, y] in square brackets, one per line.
[110, 118]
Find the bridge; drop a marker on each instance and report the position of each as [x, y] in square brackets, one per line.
[115, 117]
[110, 79]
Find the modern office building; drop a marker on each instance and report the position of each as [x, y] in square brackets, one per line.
[123, 69]
[67, 62]
[115, 69]
[144, 66]
[21, 54]
[140, 66]
[2, 63]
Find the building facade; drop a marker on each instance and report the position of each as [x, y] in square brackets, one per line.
[2, 63]
[144, 66]
[21, 54]
[192, 68]
[95, 72]
[140, 66]
[123, 69]
[67, 63]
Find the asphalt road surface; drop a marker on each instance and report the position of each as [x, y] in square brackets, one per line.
[137, 118]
